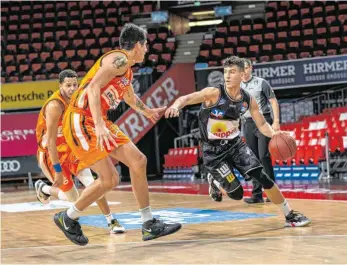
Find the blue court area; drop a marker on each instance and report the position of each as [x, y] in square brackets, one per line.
[132, 220]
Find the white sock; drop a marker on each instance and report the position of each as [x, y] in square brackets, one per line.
[73, 212]
[146, 214]
[285, 207]
[109, 218]
[62, 196]
[46, 189]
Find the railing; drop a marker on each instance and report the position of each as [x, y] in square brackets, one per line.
[293, 110]
[183, 140]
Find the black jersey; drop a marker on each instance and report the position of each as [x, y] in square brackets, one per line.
[222, 120]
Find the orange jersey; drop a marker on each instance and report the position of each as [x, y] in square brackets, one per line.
[111, 94]
[41, 128]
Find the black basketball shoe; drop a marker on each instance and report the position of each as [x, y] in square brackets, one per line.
[155, 228]
[71, 228]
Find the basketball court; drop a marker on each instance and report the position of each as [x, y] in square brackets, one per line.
[226, 232]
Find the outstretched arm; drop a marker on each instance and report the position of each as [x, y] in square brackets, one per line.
[259, 120]
[205, 95]
[136, 104]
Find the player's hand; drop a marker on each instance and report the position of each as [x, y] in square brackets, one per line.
[58, 179]
[154, 114]
[276, 126]
[104, 136]
[280, 132]
[172, 112]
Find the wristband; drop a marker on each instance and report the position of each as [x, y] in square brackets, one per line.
[57, 168]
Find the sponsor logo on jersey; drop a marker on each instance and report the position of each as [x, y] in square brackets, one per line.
[217, 113]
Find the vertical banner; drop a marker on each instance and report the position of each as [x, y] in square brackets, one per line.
[177, 81]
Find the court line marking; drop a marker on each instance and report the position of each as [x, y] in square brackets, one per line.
[230, 239]
[319, 200]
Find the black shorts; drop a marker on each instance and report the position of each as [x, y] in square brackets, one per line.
[220, 157]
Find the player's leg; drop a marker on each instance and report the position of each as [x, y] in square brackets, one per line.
[45, 191]
[220, 176]
[251, 134]
[247, 164]
[264, 156]
[131, 156]
[224, 179]
[67, 220]
[86, 177]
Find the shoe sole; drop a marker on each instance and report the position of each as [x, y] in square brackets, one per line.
[305, 223]
[56, 221]
[260, 202]
[150, 237]
[117, 232]
[211, 190]
[37, 189]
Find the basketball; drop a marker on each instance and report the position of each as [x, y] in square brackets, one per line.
[282, 146]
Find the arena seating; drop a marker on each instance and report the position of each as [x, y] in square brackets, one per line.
[289, 30]
[39, 39]
[181, 157]
[310, 136]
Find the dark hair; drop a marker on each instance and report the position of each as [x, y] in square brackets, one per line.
[66, 74]
[130, 35]
[234, 60]
[247, 61]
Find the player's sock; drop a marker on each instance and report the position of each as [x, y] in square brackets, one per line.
[62, 196]
[46, 189]
[73, 213]
[285, 207]
[109, 218]
[146, 214]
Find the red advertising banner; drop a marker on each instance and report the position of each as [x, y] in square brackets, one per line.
[178, 81]
[18, 134]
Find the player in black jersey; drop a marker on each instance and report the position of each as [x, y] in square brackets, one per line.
[222, 147]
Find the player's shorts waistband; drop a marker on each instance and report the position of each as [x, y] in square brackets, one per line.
[220, 145]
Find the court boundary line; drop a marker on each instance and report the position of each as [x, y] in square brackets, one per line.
[298, 199]
[230, 239]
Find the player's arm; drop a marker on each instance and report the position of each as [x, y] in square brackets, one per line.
[259, 119]
[270, 95]
[112, 66]
[53, 112]
[205, 95]
[136, 103]
[276, 112]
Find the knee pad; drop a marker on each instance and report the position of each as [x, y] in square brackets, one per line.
[262, 178]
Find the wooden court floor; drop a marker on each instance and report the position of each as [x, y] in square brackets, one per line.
[31, 237]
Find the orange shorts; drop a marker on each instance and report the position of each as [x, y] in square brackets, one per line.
[69, 165]
[79, 133]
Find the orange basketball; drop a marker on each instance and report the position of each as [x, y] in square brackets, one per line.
[282, 146]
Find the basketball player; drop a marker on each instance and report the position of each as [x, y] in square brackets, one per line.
[54, 155]
[93, 139]
[223, 149]
[260, 89]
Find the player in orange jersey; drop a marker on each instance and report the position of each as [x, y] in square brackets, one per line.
[54, 155]
[93, 138]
